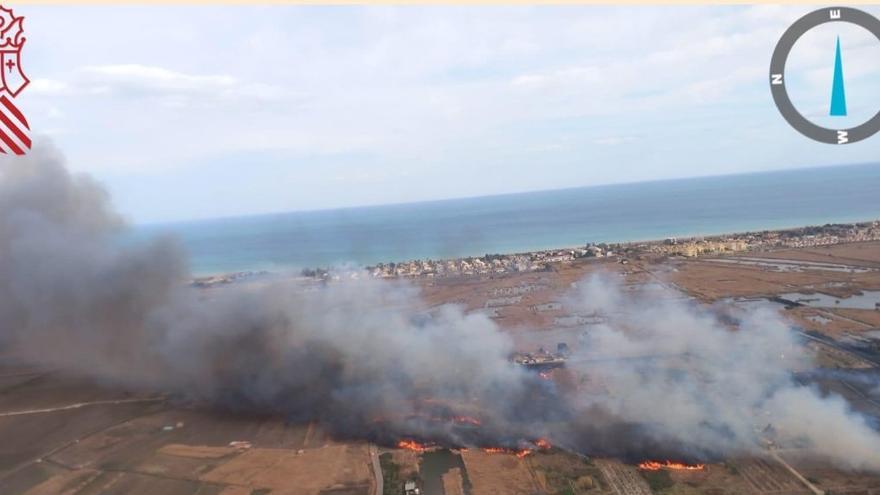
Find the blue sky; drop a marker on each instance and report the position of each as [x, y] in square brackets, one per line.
[205, 111]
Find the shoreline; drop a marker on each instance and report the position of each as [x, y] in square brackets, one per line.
[541, 259]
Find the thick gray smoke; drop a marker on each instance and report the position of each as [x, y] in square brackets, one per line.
[361, 355]
[370, 361]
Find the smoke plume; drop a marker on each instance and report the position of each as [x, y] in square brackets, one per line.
[710, 389]
[369, 360]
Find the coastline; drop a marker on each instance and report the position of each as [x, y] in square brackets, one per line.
[543, 259]
[527, 222]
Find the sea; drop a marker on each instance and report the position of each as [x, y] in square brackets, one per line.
[528, 221]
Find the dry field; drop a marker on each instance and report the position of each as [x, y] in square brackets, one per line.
[857, 253]
[453, 484]
[834, 482]
[711, 280]
[623, 479]
[329, 469]
[68, 436]
[497, 474]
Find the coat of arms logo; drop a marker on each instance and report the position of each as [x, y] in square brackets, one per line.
[13, 125]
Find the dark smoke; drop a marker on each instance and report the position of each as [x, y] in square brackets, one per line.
[356, 354]
[360, 356]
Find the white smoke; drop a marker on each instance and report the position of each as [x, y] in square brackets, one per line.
[708, 387]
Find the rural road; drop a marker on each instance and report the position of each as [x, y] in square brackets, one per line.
[377, 470]
[796, 474]
[841, 347]
[78, 405]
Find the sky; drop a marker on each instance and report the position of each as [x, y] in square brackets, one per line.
[209, 111]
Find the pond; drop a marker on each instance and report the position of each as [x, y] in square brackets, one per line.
[783, 265]
[868, 299]
[434, 464]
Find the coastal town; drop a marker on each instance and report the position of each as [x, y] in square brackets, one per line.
[535, 261]
[801, 237]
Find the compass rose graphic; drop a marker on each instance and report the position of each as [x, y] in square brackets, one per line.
[838, 102]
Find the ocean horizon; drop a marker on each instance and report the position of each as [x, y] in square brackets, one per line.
[528, 221]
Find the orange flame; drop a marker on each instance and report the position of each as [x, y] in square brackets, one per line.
[545, 375]
[676, 466]
[467, 419]
[543, 443]
[411, 445]
[498, 450]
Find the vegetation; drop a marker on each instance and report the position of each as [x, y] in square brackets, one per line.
[392, 482]
[731, 468]
[571, 479]
[658, 480]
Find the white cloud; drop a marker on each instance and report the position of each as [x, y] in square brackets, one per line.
[40, 87]
[561, 77]
[173, 88]
[157, 78]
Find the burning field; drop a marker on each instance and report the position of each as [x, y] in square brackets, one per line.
[539, 444]
[670, 465]
[369, 360]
